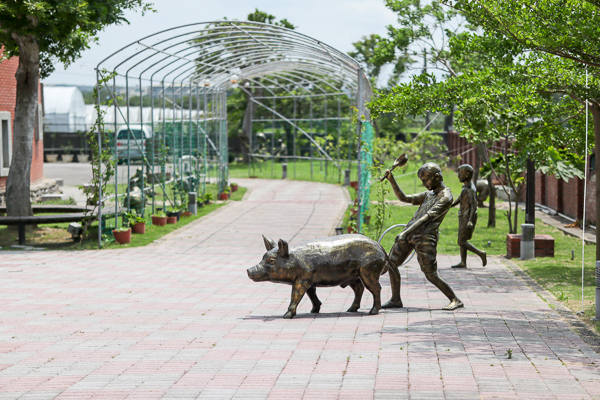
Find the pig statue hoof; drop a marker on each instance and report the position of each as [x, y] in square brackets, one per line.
[289, 315]
[393, 304]
[316, 309]
[353, 309]
[374, 311]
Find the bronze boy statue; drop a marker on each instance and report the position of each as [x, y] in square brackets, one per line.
[467, 216]
[421, 233]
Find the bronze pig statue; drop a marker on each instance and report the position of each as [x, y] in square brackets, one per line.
[342, 260]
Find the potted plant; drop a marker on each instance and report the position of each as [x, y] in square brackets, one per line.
[173, 214]
[52, 157]
[234, 187]
[200, 202]
[68, 153]
[137, 222]
[159, 219]
[122, 235]
[224, 195]
[82, 157]
[171, 219]
[207, 198]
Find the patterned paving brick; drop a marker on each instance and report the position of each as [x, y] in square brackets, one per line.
[181, 320]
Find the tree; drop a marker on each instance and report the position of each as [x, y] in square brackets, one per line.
[39, 32]
[568, 30]
[512, 95]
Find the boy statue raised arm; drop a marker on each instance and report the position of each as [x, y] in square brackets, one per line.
[421, 233]
[467, 216]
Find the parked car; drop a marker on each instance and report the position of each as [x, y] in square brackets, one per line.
[132, 143]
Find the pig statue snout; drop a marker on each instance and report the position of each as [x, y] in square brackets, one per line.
[256, 273]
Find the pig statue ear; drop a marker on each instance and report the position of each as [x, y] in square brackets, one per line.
[283, 248]
[269, 243]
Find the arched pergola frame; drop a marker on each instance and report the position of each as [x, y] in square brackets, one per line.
[203, 61]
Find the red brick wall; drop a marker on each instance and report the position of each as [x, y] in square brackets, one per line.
[590, 204]
[567, 197]
[572, 198]
[8, 97]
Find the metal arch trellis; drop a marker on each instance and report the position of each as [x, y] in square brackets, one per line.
[173, 114]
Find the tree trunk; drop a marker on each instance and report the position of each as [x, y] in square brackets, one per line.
[492, 207]
[246, 132]
[18, 201]
[595, 110]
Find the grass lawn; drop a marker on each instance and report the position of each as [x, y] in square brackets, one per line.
[300, 170]
[56, 237]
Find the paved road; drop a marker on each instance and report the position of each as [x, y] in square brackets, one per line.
[180, 319]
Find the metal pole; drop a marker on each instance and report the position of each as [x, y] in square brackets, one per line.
[153, 138]
[294, 136]
[325, 122]
[100, 160]
[360, 105]
[116, 155]
[273, 137]
[129, 137]
[205, 141]
[164, 148]
[143, 147]
[338, 139]
[310, 124]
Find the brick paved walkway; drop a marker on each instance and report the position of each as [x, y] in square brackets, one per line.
[180, 319]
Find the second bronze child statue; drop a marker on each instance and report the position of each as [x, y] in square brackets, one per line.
[421, 233]
[467, 216]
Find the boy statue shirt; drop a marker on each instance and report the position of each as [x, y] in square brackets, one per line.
[436, 205]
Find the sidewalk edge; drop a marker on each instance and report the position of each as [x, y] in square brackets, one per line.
[588, 335]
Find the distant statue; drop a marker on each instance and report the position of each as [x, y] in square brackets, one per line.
[483, 191]
[422, 232]
[137, 200]
[467, 216]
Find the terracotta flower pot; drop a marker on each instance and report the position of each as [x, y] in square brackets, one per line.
[350, 229]
[171, 220]
[139, 227]
[223, 196]
[234, 187]
[354, 184]
[122, 237]
[367, 219]
[159, 221]
[175, 214]
[186, 214]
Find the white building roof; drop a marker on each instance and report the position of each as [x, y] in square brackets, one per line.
[64, 100]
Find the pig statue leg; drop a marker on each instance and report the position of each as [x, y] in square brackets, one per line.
[358, 288]
[373, 286]
[298, 289]
[316, 303]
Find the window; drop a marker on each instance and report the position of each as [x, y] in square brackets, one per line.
[39, 122]
[124, 134]
[5, 142]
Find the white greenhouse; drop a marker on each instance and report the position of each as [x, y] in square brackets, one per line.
[64, 109]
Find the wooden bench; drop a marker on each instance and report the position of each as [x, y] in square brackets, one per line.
[77, 214]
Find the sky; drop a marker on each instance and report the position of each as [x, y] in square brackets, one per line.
[337, 23]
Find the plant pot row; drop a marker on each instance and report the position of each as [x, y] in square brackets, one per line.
[67, 158]
[123, 237]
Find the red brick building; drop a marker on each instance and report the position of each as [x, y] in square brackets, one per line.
[8, 98]
[564, 197]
